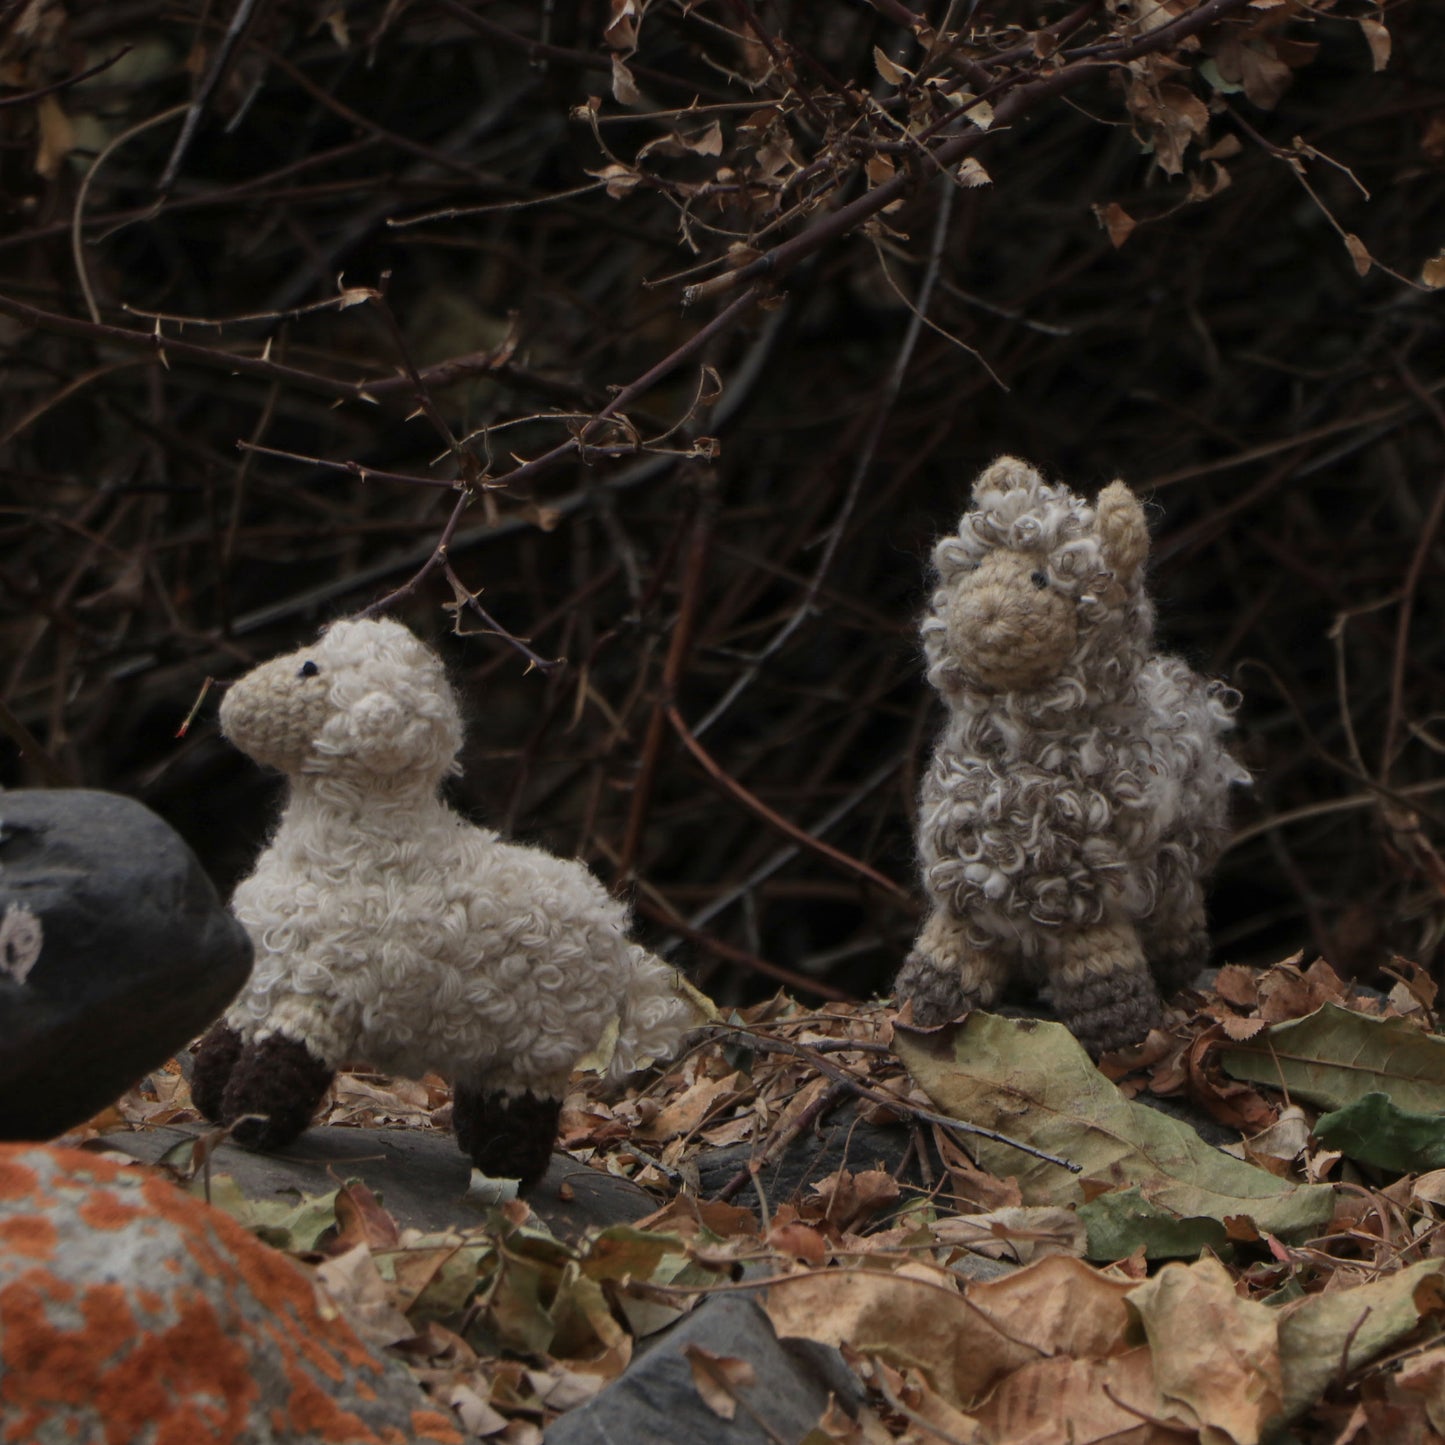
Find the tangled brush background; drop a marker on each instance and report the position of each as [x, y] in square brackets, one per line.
[686, 325]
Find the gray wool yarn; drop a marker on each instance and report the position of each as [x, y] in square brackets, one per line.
[1077, 794]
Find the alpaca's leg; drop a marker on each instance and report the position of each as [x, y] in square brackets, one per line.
[281, 1080]
[945, 975]
[1176, 937]
[215, 1061]
[1103, 990]
[508, 1135]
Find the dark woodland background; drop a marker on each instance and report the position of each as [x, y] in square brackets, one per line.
[1198, 262]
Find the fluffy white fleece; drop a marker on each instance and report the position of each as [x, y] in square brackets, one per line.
[389, 929]
[1080, 781]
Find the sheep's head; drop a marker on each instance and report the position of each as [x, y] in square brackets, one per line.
[367, 698]
[1033, 576]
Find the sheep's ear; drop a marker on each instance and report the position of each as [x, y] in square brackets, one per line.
[1123, 532]
[1007, 474]
[387, 735]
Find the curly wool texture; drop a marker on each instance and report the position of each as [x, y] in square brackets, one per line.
[1079, 782]
[387, 928]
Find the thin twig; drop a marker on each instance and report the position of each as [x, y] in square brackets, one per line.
[876, 1096]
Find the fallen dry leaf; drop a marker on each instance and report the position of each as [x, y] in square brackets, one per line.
[718, 1378]
[1215, 1356]
[910, 1322]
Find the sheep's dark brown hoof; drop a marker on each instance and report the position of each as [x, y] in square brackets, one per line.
[215, 1062]
[507, 1136]
[281, 1081]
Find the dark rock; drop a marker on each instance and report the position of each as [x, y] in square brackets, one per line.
[841, 1140]
[114, 952]
[131, 1311]
[656, 1399]
[420, 1177]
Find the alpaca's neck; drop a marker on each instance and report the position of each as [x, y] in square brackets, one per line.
[1096, 694]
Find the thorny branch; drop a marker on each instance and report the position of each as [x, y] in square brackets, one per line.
[520, 199]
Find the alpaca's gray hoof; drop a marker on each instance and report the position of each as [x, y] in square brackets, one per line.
[937, 994]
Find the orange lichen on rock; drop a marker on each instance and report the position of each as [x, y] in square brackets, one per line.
[104, 1210]
[130, 1310]
[16, 1181]
[31, 1236]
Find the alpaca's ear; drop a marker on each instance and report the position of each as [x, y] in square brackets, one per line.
[1123, 532]
[1007, 474]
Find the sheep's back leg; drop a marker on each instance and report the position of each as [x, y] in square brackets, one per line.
[1102, 988]
[279, 1079]
[216, 1061]
[945, 975]
[508, 1134]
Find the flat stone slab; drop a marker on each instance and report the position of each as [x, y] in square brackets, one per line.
[420, 1176]
[657, 1398]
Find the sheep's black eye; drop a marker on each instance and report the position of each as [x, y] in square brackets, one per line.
[1039, 579]
[308, 669]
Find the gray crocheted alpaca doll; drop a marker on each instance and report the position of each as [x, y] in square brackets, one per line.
[390, 930]
[1076, 797]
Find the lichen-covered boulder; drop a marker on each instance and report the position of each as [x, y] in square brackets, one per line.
[134, 1314]
[114, 952]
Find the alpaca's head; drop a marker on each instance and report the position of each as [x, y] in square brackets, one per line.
[368, 698]
[1035, 584]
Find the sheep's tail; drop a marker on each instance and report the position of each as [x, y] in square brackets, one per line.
[659, 1010]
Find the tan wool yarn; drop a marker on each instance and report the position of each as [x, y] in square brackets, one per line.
[1076, 797]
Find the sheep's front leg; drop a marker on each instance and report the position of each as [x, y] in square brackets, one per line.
[280, 1080]
[508, 1133]
[1103, 990]
[945, 975]
[216, 1061]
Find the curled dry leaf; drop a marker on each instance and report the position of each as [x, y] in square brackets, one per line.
[1116, 221]
[1065, 1400]
[848, 1198]
[718, 1378]
[1215, 1355]
[909, 1321]
[1021, 1234]
[1033, 1082]
[1335, 1056]
[1377, 37]
[355, 1286]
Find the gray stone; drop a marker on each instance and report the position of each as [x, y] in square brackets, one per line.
[656, 1400]
[130, 1311]
[114, 952]
[419, 1176]
[841, 1140]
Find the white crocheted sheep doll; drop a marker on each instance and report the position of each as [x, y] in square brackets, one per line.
[1076, 797]
[388, 929]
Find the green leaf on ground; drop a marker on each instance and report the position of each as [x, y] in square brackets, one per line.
[1375, 1130]
[1033, 1082]
[1120, 1221]
[1335, 1056]
[291, 1224]
[1325, 1336]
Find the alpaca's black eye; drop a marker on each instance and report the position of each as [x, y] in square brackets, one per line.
[1039, 579]
[308, 669]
